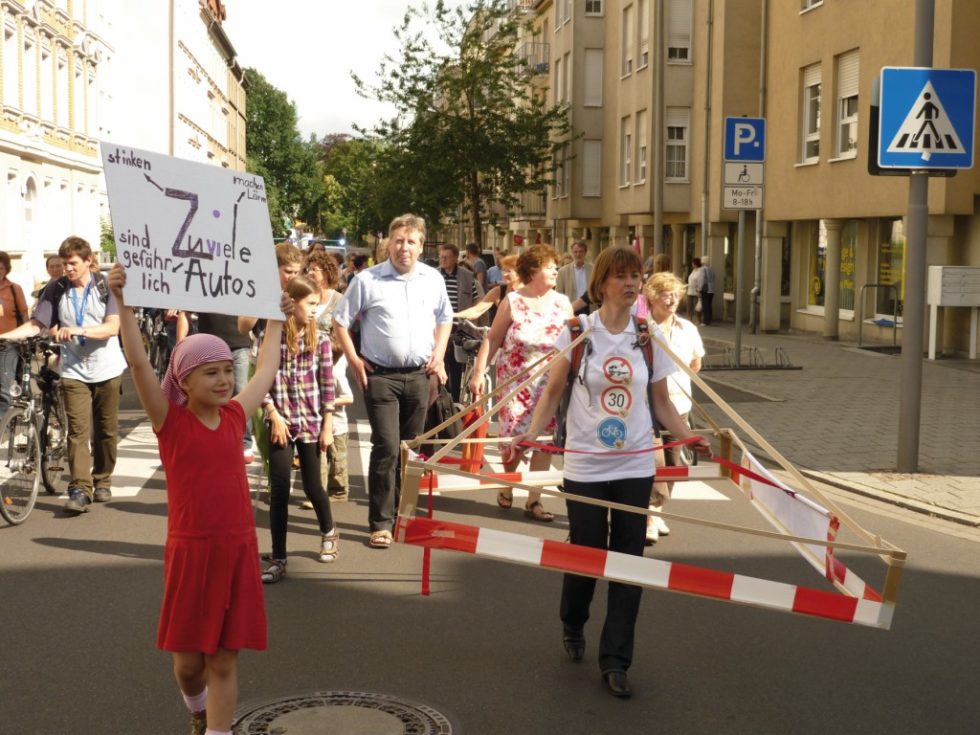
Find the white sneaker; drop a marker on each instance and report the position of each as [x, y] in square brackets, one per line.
[661, 526]
[652, 533]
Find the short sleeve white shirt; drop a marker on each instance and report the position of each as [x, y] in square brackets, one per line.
[686, 343]
[608, 412]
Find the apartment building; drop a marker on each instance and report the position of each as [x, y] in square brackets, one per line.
[647, 85]
[157, 75]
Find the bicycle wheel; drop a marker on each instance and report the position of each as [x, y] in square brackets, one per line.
[54, 448]
[20, 460]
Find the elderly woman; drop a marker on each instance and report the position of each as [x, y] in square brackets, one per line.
[526, 325]
[662, 294]
[608, 419]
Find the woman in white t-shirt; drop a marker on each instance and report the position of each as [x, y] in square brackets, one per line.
[662, 293]
[608, 414]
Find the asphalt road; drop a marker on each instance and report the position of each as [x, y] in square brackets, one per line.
[79, 599]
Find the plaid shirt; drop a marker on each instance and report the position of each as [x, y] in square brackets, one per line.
[303, 391]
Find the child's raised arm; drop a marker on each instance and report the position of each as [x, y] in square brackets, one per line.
[267, 364]
[148, 388]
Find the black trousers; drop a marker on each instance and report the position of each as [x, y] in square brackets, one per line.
[280, 474]
[616, 530]
[396, 408]
[706, 299]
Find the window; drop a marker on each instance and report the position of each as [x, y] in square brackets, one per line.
[677, 122]
[567, 92]
[679, 31]
[807, 4]
[593, 77]
[30, 79]
[817, 270]
[566, 170]
[47, 85]
[593, 7]
[847, 104]
[641, 146]
[11, 71]
[643, 22]
[626, 151]
[559, 81]
[79, 122]
[811, 114]
[591, 168]
[62, 89]
[848, 245]
[628, 33]
[891, 268]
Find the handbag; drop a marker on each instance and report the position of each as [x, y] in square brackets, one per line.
[697, 306]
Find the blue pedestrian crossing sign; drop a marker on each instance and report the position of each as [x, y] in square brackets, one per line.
[927, 118]
[745, 139]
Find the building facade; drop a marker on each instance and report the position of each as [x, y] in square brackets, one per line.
[52, 90]
[647, 86]
[162, 76]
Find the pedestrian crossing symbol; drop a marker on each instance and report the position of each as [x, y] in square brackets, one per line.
[927, 118]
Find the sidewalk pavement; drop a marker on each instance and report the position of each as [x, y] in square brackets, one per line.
[837, 418]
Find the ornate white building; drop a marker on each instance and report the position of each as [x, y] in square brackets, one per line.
[159, 74]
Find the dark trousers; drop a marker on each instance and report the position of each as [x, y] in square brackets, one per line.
[454, 371]
[93, 416]
[706, 299]
[396, 408]
[591, 525]
[280, 475]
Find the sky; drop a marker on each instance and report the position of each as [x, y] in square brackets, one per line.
[308, 49]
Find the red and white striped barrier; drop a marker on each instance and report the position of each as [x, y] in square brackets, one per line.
[448, 481]
[791, 512]
[654, 573]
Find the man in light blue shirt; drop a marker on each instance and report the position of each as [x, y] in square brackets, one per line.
[405, 320]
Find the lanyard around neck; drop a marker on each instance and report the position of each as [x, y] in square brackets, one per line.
[80, 310]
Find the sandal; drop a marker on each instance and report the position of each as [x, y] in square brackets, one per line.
[380, 539]
[274, 571]
[536, 512]
[504, 500]
[329, 547]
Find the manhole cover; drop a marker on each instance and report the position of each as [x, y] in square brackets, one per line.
[351, 713]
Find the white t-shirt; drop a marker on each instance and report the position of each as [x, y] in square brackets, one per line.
[609, 411]
[96, 360]
[686, 343]
[341, 387]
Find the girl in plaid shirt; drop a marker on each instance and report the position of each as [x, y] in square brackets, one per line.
[299, 411]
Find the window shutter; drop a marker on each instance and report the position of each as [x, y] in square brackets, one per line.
[679, 24]
[847, 74]
[811, 75]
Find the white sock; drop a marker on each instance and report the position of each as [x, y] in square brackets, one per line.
[197, 703]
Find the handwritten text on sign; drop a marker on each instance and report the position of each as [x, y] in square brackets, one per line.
[191, 236]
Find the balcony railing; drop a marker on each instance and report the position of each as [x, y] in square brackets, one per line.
[522, 6]
[535, 55]
[532, 204]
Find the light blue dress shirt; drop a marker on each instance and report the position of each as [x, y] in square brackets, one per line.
[398, 313]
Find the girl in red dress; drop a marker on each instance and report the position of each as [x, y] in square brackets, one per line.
[212, 602]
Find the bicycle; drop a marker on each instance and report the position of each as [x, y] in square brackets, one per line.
[20, 446]
[466, 343]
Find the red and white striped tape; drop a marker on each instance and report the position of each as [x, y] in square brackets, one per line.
[539, 478]
[654, 573]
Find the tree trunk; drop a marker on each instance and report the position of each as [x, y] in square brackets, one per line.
[475, 210]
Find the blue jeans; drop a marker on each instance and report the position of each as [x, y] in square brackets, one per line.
[240, 359]
[8, 373]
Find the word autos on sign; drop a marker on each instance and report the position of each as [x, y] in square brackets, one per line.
[191, 236]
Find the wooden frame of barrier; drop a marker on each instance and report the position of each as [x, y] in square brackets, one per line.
[415, 469]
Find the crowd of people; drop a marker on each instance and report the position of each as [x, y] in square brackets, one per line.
[389, 327]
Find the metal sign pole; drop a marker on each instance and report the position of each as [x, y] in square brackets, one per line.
[739, 301]
[910, 388]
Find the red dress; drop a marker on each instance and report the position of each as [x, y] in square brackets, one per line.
[212, 584]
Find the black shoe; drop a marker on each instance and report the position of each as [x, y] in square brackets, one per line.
[102, 495]
[617, 684]
[574, 645]
[78, 501]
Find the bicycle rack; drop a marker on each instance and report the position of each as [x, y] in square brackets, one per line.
[860, 312]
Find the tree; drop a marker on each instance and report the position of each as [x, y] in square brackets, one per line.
[469, 130]
[278, 153]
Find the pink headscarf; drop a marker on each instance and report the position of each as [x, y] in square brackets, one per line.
[189, 353]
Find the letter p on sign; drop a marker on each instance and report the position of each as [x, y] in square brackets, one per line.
[745, 139]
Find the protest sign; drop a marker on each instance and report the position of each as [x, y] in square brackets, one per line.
[191, 236]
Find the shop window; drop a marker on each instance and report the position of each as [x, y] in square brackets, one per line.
[891, 268]
[848, 246]
[817, 265]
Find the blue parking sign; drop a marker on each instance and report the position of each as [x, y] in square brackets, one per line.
[745, 139]
[927, 118]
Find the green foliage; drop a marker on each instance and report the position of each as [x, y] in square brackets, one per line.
[468, 131]
[107, 242]
[278, 153]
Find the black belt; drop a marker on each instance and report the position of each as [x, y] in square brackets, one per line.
[381, 370]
